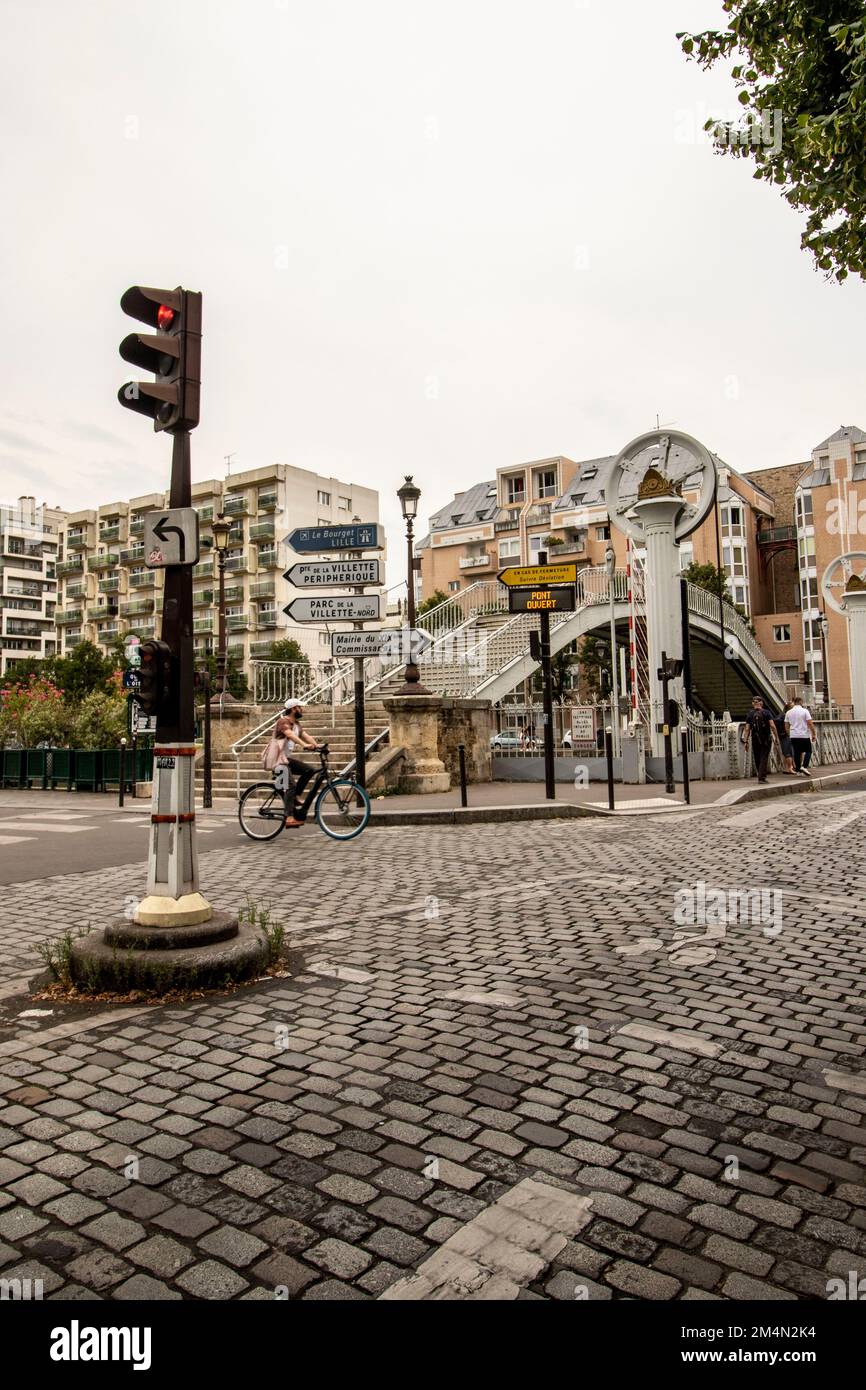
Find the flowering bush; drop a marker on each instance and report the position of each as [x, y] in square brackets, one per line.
[99, 720]
[33, 712]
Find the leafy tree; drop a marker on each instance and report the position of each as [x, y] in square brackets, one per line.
[802, 85]
[99, 720]
[287, 649]
[19, 672]
[433, 601]
[707, 577]
[594, 657]
[236, 681]
[32, 713]
[83, 670]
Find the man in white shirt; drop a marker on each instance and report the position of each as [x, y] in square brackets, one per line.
[801, 731]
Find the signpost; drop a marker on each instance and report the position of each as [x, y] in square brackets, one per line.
[141, 723]
[515, 576]
[171, 537]
[383, 641]
[311, 540]
[131, 679]
[339, 608]
[559, 599]
[333, 574]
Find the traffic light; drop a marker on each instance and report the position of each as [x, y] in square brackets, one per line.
[173, 354]
[154, 693]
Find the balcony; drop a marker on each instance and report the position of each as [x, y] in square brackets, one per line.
[102, 562]
[205, 514]
[109, 633]
[145, 630]
[234, 593]
[15, 627]
[538, 513]
[262, 530]
[133, 556]
[72, 566]
[203, 599]
[238, 622]
[136, 526]
[108, 534]
[268, 560]
[100, 612]
[267, 589]
[267, 618]
[475, 562]
[237, 564]
[235, 649]
[236, 506]
[76, 540]
[260, 649]
[508, 519]
[267, 501]
[63, 616]
[75, 591]
[141, 581]
[203, 624]
[777, 535]
[111, 585]
[136, 607]
[203, 570]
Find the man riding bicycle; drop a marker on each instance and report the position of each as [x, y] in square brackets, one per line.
[288, 730]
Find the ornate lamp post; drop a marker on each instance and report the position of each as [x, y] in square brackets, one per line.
[409, 495]
[221, 529]
[825, 628]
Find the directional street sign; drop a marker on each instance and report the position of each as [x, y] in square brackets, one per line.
[535, 575]
[333, 574]
[335, 608]
[310, 540]
[141, 723]
[171, 537]
[131, 680]
[397, 643]
[559, 599]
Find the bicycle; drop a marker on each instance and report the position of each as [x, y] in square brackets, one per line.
[342, 806]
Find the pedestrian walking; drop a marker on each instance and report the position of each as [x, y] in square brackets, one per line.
[785, 748]
[801, 731]
[760, 731]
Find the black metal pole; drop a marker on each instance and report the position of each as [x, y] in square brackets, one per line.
[608, 753]
[721, 604]
[122, 771]
[134, 778]
[360, 749]
[221, 625]
[547, 680]
[176, 724]
[461, 753]
[685, 747]
[207, 790]
[666, 725]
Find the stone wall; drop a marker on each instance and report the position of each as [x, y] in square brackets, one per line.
[471, 723]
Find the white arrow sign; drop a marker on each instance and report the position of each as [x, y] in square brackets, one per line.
[171, 537]
[333, 574]
[336, 608]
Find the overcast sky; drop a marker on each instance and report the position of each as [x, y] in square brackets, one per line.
[433, 238]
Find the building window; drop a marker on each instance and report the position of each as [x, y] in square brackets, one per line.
[602, 533]
[344, 504]
[781, 632]
[545, 482]
[324, 499]
[509, 550]
[515, 490]
[535, 544]
[453, 586]
[687, 554]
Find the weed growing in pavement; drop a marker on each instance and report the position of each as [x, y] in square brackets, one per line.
[57, 955]
[261, 917]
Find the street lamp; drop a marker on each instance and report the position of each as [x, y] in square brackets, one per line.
[409, 495]
[221, 529]
[825, 628]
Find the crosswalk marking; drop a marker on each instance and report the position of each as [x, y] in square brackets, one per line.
[45, 827]
[15, 839]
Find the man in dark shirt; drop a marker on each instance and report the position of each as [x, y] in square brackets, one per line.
[761, 731]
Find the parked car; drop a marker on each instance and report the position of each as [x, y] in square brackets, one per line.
[511, 741]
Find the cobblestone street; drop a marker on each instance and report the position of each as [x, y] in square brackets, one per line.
[501, 1070]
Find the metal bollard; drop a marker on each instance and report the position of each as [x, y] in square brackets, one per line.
[685, 746]
[122, 771]
[608, 753]
[461, 753]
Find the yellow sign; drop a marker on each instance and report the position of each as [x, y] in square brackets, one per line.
[533, 575]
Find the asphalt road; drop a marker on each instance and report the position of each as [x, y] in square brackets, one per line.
[39, 842]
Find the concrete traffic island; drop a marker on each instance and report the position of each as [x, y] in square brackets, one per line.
[200, 955]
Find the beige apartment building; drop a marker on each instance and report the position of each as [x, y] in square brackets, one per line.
[107, 591]
[29, 540]
[760, 519]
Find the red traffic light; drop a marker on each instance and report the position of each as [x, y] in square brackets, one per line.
[164, 317]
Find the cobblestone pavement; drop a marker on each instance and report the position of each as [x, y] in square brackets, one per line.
[497, 1053]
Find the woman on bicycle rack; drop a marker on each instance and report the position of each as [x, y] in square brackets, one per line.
[288, 729]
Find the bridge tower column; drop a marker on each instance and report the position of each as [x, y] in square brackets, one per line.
[658, 517]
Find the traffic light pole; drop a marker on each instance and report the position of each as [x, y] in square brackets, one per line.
[664, 677]
[177, 723]
[547, 698]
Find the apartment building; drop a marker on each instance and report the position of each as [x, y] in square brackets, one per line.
[558, 506]
[29, 540]
[108, 591]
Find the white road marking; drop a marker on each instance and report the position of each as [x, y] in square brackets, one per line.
[844, 1081]
[15, 839]
[45, 827]
[756, 815]
[674, 1038]
[340, 972]
[497, 997]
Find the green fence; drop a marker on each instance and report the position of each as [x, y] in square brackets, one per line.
[73, 769]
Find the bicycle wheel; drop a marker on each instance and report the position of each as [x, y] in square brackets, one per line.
[262, 811]
[342, 809]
